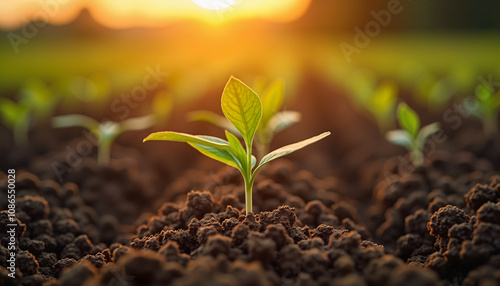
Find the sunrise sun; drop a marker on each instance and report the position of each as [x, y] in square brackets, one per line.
[214, 4]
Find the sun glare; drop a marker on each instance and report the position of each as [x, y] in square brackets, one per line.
[214, 4]
[150, 13]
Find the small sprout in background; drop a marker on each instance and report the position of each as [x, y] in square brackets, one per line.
[488, 107]
[244, 110]
[17, 117]
[36, 104]
[104, 132]
[273, 121]
[40, 97]
[411, 136]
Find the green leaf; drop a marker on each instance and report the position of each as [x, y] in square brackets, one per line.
[425, 132]
[213, 118]
[400, 137]
[242, 107]
[224, 156]
[272, 99]
[408, 119]
[285, 150]
[207, 141]
[73, 120]
[237, 149]
[283, 120]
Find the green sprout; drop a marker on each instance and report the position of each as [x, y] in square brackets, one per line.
[35, 104]
[17, 117]
[272, 122]
[105, 132]
[488, 107]
[411, 136]
[244, 110]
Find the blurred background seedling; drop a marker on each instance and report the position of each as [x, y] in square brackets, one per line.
[488, 101]
[411, 136]
[35, 105]
[17, 117]
[105, 132]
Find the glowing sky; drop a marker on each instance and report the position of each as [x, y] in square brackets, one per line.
[147, 13]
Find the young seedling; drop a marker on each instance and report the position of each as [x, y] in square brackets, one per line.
[104, 132]
[272, 122]
[488, 107]
[243, 108]
[35, 104]
[40, 97]
[411, 136]
[17, 117]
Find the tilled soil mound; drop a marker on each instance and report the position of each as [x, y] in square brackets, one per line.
[437, 230]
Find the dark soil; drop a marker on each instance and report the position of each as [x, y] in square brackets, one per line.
[436, 225]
